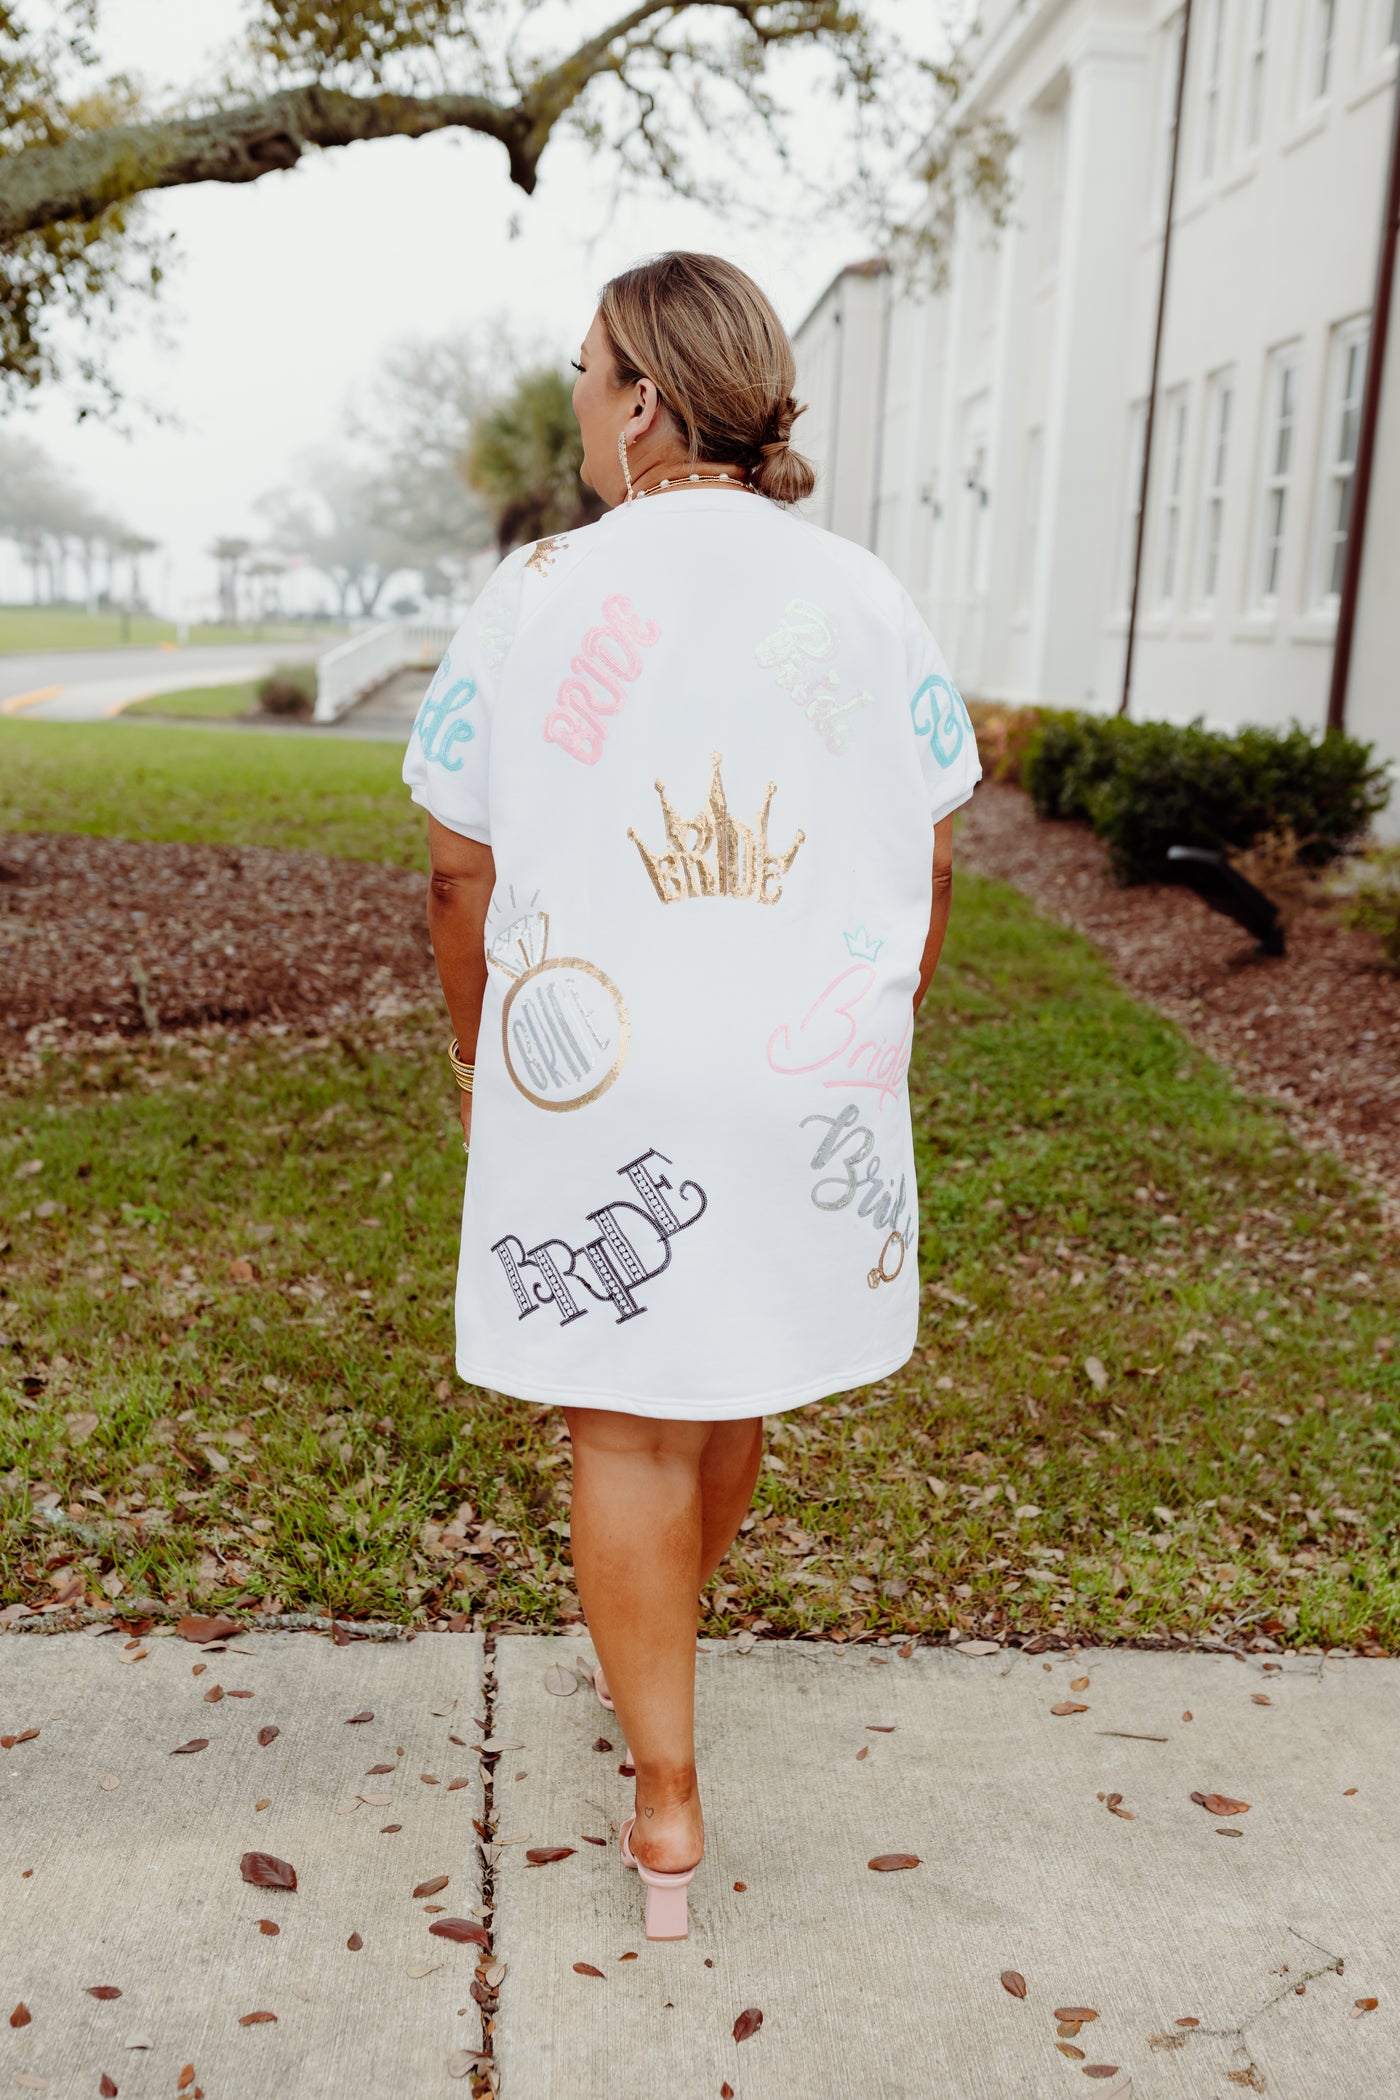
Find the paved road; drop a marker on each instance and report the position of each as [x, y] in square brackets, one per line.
[1211, 1952]
[87, 685]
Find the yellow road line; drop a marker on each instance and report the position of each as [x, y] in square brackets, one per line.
[18, 701]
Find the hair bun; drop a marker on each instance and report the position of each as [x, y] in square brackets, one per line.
[778, 445]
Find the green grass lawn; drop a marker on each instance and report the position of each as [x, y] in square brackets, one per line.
[200, 703]
[26, 627]
[1156, 1392]
[137, 781]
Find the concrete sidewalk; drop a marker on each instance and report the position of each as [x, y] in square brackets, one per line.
[878, 1984]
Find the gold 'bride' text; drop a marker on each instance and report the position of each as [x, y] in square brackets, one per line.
[713, 854]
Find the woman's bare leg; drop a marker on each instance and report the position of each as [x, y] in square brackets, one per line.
[645, 1533]
[728, 1470]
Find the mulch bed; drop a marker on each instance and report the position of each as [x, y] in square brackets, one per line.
[1318, 1029]
[112, 937]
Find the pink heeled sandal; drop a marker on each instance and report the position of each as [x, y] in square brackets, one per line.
[667, 1905]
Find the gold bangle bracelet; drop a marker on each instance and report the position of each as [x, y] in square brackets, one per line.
[462, 1072]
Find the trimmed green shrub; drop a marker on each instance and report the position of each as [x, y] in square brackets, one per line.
[1373, 899]
[289, 690]
[1147, 786]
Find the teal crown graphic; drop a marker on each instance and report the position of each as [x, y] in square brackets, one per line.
[863, 945]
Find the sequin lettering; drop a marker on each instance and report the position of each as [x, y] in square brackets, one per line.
[441, 725]
[806, 639]
[829, 1039]
[632, 1246]
[712, 854]
[938, 713]
[609, 659]
[848, 1149]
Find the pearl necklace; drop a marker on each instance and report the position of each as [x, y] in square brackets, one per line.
[690, 481]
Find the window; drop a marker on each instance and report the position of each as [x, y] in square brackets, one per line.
[1132, 507]
[1030, 519]
[1210, 86]
[1322, 38]
[1173, 484]
[1256, 65]
[1220, 403]
[1166, 123]
[1280, 430]
[1345, 378]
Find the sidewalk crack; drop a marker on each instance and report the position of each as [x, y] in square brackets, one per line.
[1249, 2075]
[485, 1990]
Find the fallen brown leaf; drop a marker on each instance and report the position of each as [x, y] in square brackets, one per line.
[892, 1862]
[1261, 1699]
[185, 2079]
[21, 2016]
[352, 1720]
[377, 1771]
[256, 2019]
[107, 2087]
[726, 2091]
[545, 1855]
[194, 1627]
[1078, 2013]
[1079, 1684]
[560, 1681]
[1100, 2070]
[431, 1887]
[880, 1727]
[103, 1990]
[1068, 2049]
[586, 1968]
[748, 2022]
[430, 1779]
[466, 1931]
[1365, 2005]
[268, 1926]
[259, 1806]
[1069, 1706]
[199, 1742]
[864, 1751]
[1012, 1980]
[109, 1782]
[740, 1888]
[214, 1694]
[1188, 2021]
[1347, 1791]
[602, 1743]
[453, 1785]
[629, 1956]
[354, 1943]
[265, 1871]
[268, 1735]
[1220, 1805]
[591, 1840]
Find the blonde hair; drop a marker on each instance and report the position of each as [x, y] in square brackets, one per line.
[708, 338]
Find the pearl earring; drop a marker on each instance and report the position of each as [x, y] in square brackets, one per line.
[622, 458]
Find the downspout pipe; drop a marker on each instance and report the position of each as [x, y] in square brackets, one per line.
[1366, 436]
[1145, 482]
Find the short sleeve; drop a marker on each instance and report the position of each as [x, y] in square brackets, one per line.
[941, 725]
[446, 767]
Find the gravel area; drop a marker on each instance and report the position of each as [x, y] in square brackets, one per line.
[110, 937]
[1318, 1029]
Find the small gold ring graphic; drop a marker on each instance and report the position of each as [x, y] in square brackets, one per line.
[880, 1274]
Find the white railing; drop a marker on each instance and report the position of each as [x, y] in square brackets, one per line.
[352, 669]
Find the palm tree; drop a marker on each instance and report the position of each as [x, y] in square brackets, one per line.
[524, 460]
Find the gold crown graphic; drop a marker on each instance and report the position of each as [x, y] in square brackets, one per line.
[713, 854]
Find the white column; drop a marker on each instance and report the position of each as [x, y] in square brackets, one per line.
[1090, 381]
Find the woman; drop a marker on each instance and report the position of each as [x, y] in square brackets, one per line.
[690, 775]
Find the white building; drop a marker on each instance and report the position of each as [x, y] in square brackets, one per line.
[987, 442]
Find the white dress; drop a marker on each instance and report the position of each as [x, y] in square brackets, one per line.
[707, 743]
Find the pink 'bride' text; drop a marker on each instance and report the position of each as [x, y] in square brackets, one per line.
[828, 1039]
[608, 660]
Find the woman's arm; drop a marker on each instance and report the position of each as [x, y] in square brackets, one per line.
[942, 905]
[459, 891]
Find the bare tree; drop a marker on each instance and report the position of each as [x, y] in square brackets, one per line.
[665, 89]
